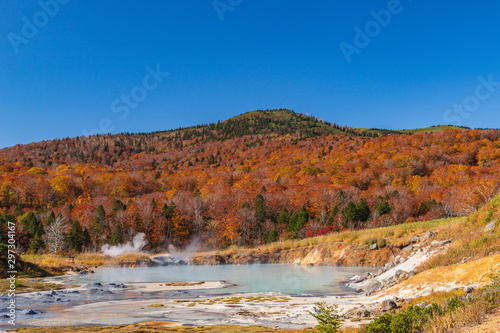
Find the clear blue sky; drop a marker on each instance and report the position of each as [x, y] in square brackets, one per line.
[64, 78]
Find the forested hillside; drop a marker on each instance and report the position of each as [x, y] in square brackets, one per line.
[255, 178]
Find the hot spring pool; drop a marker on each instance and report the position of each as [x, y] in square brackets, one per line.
[284, 278]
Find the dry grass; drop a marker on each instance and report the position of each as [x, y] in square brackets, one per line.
[29, 285]
[396, 235]
[92, 259]
[156, 326]
[470, 314]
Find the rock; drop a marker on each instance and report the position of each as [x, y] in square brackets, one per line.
[470, 297]
[97, 291]
[366, 314]
[389, 265]
[446, 241]
[399, 273]
[490, 226]
[407, 249]
[372, 286]
[411, 273]
[374, 246]
[357, 279]
[422, 305]
[468, 289]
[465, 259]
[435, 243]
[31, 312]
[397, 259]
[51, 292]
[428, 235]
[368, 275]
[414, 239]
[389, 304]
[82, 273]
[380, 271]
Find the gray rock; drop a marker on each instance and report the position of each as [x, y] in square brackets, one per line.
[380, 271]
[446, 241]
[428, 235]
[414, 239]
[435, 243]
[31, 312]
[389, 265]
[399, 273]
[422, 305]
[389, 304]
[368, 275]
[366, 314]
[407, 249]
[490, 226]
[411, 273]
[374, 246]
[358, 279]
[372, 286]
[468, 289]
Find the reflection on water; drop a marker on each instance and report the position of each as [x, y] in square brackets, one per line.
[289, 279]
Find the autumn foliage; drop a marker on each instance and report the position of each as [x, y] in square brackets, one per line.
[242, 183]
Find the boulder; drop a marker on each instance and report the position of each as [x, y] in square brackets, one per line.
[428, 235]
[389, 265]
[490, 226]
[389, 304]
[372, 286]
[407, 249]
[446, 241]
[357, 279]
[31, 312]
[399, 273]
[374, 246]
[422, 305]
[414, 239]
[468, 289]
[368, 275]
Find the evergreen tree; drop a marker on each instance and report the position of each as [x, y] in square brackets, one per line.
[273, 236]
[51, 218]
[98, 225]
[383, 207]
[75, 237]
[363, 211]
[36, 243]
[117, 236]
[333, 213]
[298, 220]
[284, 217]
[260, 210]
[117, 206]
[86, 238]
[350, 212]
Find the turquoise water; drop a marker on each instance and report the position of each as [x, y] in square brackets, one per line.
[284, 278]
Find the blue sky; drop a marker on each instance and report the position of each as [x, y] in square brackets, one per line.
[68, 77]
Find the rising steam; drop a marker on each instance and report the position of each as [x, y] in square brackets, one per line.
[135, 245]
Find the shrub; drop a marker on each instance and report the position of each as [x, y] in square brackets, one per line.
[327, 317]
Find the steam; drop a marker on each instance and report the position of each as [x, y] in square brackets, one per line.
[135, 245]
[193, 247]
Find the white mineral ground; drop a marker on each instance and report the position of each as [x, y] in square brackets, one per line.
[291, 314]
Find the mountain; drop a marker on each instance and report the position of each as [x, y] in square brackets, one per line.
[254, 178]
